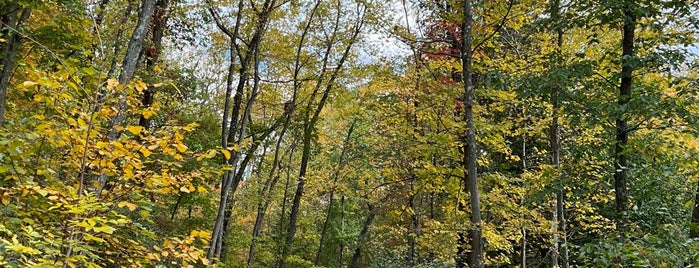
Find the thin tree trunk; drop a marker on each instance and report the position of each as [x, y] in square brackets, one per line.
[342, 231]
[236, 125]
[414, 223]
[524, 247]
[177, 206]
[363, 235]
[475, 258]
[622, 129]
[117, 37]
[10, 26]
[331, 199]
[309, 126]
[559, 254]
[266, 193]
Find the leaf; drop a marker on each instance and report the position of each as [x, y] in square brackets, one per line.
[105, 229]
[145, 152]
[148, 113]
[135, 129]
[130, 206]
[181, 147]
[226, 154]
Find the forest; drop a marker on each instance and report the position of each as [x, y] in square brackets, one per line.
[349, 133]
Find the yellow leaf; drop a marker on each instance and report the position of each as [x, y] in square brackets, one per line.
[201, 189]
[130, 206]
[26, 84]
[105, 229]
[144, 213]
[5, 200]
[184, 189]
[148, 113]
[112, 83]
[181, 148]
[135, 129]
[226, 154]
[145, 152]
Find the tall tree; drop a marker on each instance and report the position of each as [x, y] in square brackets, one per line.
[628, 65]
[319, 96]
[470, 156]
[560, 250]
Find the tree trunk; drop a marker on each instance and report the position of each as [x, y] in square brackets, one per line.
[128, 68]
[622, 129]
[311, 121]
[559, 254]
[152, 53]
[694, 224]
[265, 194]
[237, 122]
[340, 254]
[331, 199]
[414, 229]
[363, 237]
[475, 258]
[11, 24]
[127, 73]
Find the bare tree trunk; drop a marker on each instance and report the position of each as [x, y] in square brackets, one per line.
[559, 254]
[11, 24]
[414, 229]
[622, 129]
[331, 198]
[475, 258]
[117, 37]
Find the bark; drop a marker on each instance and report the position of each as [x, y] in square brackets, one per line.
[559, 254]
[128, 68]
[414, 223]
[237, 122]
[11, 24]
[622, 129]
[694, 224]
[475, 257]
[117, 37]
[159, 23]
[331, 198]
[341, 252]
[363, 236]
[127, 73]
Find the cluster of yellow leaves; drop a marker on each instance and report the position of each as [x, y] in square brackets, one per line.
[54, 151]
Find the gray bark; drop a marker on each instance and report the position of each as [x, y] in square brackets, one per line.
[475, 257]
[11, 24]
